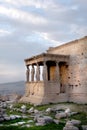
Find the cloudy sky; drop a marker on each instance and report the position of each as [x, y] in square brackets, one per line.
[29, 27]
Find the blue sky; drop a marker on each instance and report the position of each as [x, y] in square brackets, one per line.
[29, 27]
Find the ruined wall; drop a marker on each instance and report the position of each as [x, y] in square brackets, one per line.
[77, 71]
[52, 93]
[43, 93]
[34, 92]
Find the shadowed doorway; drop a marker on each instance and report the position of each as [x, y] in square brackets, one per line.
[63, 72]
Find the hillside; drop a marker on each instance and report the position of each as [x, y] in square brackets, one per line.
[13, 87]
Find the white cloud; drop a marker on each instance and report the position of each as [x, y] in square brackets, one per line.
[21, 16]
[35, 3]
[47, 37]
[4, 32]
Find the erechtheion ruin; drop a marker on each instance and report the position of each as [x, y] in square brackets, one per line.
[59, 75]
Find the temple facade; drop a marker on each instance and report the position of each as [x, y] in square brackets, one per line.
[59, 75]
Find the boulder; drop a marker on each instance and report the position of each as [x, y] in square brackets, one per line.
[44, 120]
[2, 111]
[60, 115]
[30, 121]
[73, 113]
[27, 125]
[84, 127]
[70, 125]
[21, 123]
[1, 114]
[36, 111]
[75, 122]
[70, 128]
[1, 119]
[67, 110]
[17, 116]
[7, 118]
[4, 115]
[4, 105]
[23, 108]
[12, 117]
[48, 110]
[56, 121]
[31, 110]
[24, 117]
[11, 106]
[15, 124]
[40, 124]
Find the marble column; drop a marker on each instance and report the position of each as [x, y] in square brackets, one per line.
[27, 74]
[57, 76]
[45, 74]
[32, 73]
[37, 72]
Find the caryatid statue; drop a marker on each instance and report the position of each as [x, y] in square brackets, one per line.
[38, 73]
[32, 73]
[27, 74]
[44, 74]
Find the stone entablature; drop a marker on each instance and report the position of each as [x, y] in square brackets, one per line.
[59, 75]
[46, 57]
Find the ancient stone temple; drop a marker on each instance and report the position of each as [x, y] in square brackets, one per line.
[59, 75]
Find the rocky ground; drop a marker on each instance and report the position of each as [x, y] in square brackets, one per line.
[72, 116]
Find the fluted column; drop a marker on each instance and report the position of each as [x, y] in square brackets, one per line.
[45, 72]
[38, 73]
[32, 73]
[27, 74]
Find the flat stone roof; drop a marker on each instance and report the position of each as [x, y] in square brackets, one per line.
[66, 44]
[45, 57]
